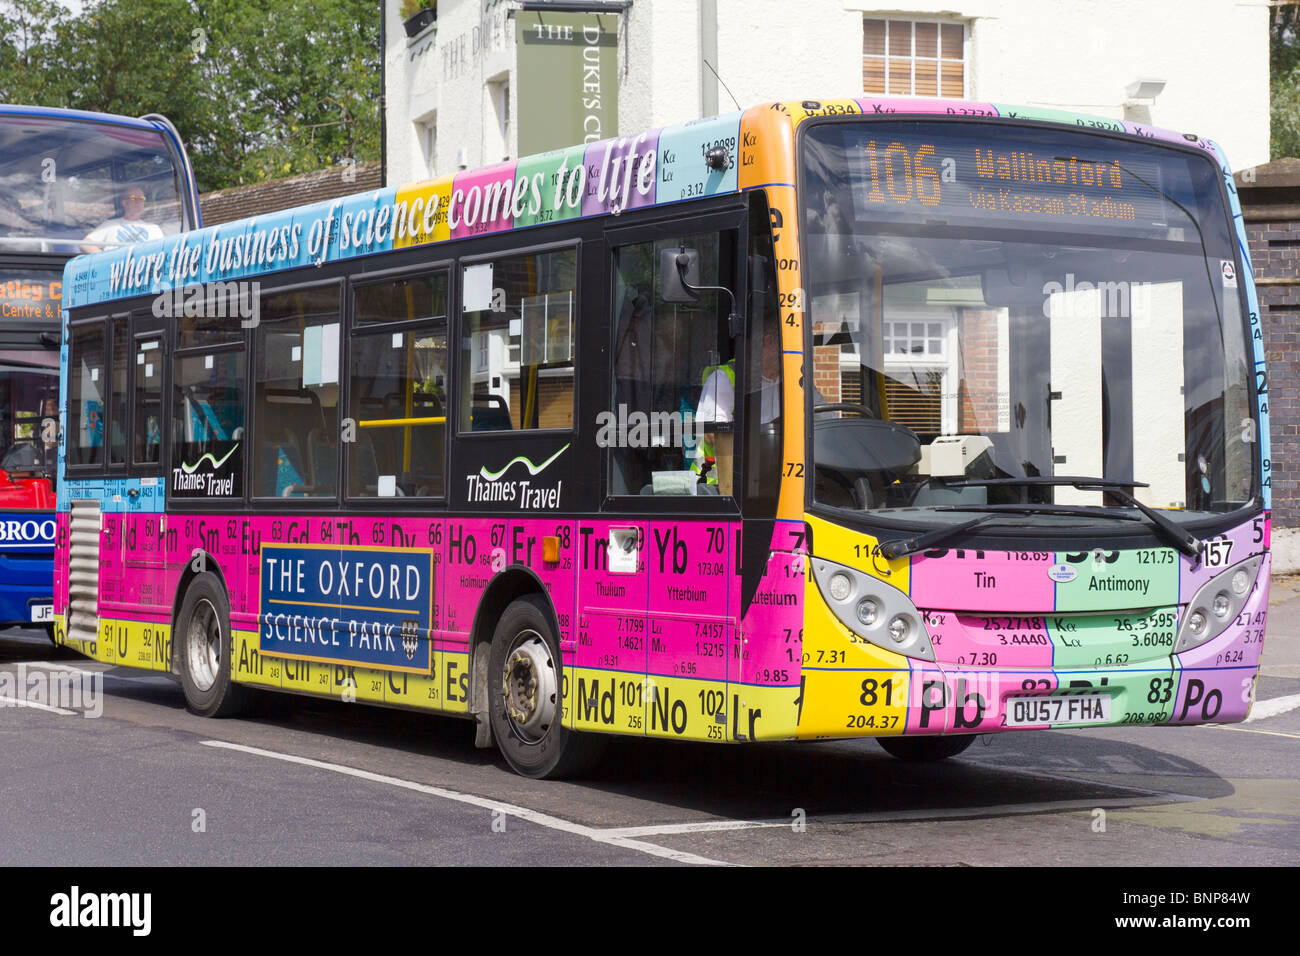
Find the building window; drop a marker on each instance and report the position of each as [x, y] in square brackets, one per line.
[914, 338]
[428, 136]
[913, 58]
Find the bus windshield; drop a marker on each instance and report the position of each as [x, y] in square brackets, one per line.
[29, 394]
[66, 180]
[995, 308]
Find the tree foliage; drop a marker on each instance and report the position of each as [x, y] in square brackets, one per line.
[1284, 75]
[257, 89]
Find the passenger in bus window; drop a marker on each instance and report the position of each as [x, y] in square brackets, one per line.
[128, 227]
[718, 400]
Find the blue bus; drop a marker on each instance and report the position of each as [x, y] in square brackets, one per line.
[70, 182]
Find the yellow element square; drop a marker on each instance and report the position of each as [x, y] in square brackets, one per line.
[411, 210]
[761, 713]
[857, 550]
[608, 701]
[113, 643]
[249, 666]
[685, 709]
[453, 690]
[370, 684]
[423, 691]
[150, 645]
[308, 677]
[854, 703]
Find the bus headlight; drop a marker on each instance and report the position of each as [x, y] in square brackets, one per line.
[868, 611]
[873, 610]
[841, 586]
[1216, 604]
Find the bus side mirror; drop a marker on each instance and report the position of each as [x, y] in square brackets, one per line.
[679, 270]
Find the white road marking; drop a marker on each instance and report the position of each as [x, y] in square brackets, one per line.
[1249, 730]
[1264, 709]
[149, 677]
[626, 837]
[609, 837]
[66, 667]
[6, 700]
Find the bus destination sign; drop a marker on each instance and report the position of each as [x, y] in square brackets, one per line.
[1002, 181]
[31, 295]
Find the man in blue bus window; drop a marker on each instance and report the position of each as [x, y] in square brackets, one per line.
[128, 227]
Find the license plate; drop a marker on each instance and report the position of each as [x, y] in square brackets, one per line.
[1075, 709]
[42, 613]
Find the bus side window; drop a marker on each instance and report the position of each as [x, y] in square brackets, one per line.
[117, 427]
[208, 415]
[208, 423]
[87, 390]
[397, 387]
[148, 401]
[296, 393]
[516, 365]
[670, 375]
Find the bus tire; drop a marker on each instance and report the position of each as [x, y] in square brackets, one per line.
[525, 698]
[925, 749]
[204, 647]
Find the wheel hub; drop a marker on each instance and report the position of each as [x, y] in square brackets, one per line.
[530, 687]
[203, 646]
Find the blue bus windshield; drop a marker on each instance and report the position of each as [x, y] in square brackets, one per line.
[73, 185]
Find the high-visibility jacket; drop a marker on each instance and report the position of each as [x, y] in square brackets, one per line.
[704, 449]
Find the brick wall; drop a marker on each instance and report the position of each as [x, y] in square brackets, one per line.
[1275, 254]
[977, 399]
[826, 372]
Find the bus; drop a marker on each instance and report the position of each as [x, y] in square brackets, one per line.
[65, 176]
[905, 419]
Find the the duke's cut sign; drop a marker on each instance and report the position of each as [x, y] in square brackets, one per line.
[568, 79]
[346, 605]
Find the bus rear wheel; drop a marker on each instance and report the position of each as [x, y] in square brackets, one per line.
[525, 697]
[204, 643]
[925, 749]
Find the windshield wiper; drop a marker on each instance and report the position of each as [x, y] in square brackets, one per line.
[1180, 538]
[902, 547]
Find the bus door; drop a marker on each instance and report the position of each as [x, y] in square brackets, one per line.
[670, 512]
[144, 593]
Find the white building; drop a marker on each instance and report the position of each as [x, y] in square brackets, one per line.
[452, 91]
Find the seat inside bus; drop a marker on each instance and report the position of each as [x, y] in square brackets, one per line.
[286, 419]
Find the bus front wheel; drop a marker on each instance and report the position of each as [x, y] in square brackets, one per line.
[204, 645]
[525, 688]
[924, 749]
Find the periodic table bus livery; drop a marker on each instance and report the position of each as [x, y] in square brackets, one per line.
[896, 418]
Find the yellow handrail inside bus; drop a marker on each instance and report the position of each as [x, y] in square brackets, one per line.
[400, 422]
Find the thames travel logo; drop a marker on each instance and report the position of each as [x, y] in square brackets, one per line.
[522, 492]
